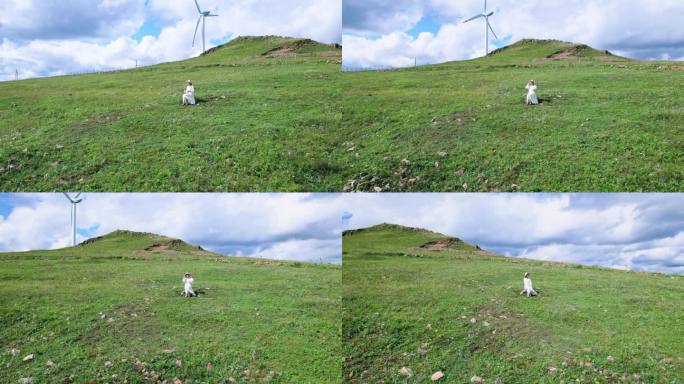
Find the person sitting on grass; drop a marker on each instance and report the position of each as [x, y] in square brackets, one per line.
[532, 93]
[187, 288]
[527, 286]
[189, 95]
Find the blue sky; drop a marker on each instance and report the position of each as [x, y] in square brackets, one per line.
[49, 37]
[642, 232]
[383, 33]
[277, 226]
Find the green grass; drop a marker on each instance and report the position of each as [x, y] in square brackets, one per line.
[279, 320]
[405, 306]
[605, 124]
[264, 122]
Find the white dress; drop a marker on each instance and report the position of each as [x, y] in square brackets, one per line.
[529, 291]
[189, 95]
[187, 289]
[532, 95]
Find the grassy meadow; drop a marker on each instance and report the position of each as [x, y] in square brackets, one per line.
[111, 312]
[429, 303]
[268, 110]
[606, 123]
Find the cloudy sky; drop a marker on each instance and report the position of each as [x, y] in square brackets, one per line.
[643, 232]
[391, 33]
[53, 37]
[275, 226]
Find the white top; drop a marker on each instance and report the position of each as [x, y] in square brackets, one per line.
[190, 90]
[531, 88]
[188, 281]
[527, 282]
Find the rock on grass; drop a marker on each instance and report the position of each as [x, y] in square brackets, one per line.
[476, 379]
[406, 371]
[437, 376]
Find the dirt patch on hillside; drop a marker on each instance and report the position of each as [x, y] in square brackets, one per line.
[171, 246]
[442, 245]
[579, 52]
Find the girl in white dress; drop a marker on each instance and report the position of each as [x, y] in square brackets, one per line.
[532, 93]
[189, 95]
[527, 286]
[187, 288]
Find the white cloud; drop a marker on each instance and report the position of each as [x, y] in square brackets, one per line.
[636, 28]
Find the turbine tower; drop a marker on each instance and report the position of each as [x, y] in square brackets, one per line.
[488, 27]
[202, 18]
[74, 201]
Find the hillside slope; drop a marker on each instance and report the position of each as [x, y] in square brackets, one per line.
[458, 310]
[109, 310]
[606, 123]
[266, 106]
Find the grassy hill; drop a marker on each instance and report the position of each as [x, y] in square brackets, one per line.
[457, 309]
[267, 109]
[606, 123]
[109, 310]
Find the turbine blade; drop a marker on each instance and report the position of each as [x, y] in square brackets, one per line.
[194, 37]
[198, 7]
[491, 29]
[490, 13]
[77, 195]
[473, 18]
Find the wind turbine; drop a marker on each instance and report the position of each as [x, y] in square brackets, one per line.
[73, 200]
[488, 27]
[202, 17]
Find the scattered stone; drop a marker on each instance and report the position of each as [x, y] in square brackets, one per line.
[50, 363]
[405, 371]
[102, 316]
[486, 323]
[587, 350]
[476, 379]
[377, 189]
[610, 358]
[443, 153]
[59, 146]
[465, 186]
[437, 376]
[210, 366]
[405, 162]
[179, 363]
[552, 369]
[515, 186]
[460, 171]
[473, 320]
[28, 357]
[246, 373]
[232, 380]
[172, 350]
[667, 360]
[177, 381]
[26, 380]
[436, 164]
[422, 350]
[15, 351]
[107, 363]
[428, 326]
